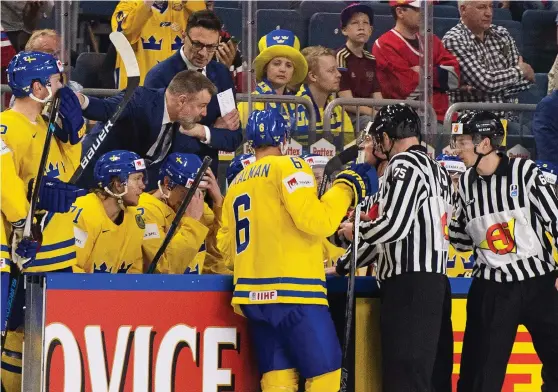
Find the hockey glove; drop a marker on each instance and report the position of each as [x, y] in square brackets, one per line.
[58, 196]
[357, 178]
[72, 120]
[24, 250]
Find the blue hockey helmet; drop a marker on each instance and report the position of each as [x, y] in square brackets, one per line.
[118, 163]
[266, 128]
[550, 171]
[452, 163]
[238, 163]
[28, 67]
[315, 160]
[181, 169]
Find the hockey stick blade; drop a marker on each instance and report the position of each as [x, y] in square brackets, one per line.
[181, 210]
[336, 163]
[128, 57]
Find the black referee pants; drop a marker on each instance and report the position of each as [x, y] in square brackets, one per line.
[494, 311]
[417, 335]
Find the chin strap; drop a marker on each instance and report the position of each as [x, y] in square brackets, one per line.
[480, 156]
[118, 196]
[45, 100]
[165, 195]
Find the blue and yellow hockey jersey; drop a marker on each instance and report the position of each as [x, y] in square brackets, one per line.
[21, 146]
[273, 230]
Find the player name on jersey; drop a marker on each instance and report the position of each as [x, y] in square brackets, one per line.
[323, 147]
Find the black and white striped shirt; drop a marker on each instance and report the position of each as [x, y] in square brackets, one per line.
[414, 207]
[504, 218]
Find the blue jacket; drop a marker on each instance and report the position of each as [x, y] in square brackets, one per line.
[221, 139]
[545, 128]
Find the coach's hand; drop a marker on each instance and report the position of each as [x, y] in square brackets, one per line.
[357, 178]
[230, 121]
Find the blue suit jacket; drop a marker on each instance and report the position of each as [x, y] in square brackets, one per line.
[545, 128]
[135, 130]
[221, 139]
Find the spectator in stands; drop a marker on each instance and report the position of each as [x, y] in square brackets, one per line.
[202, 41]
[20, 18]
[321, 87]
[545, 128]
[278, 65]
[152, 119]
[491, 68]
[358, 75]
[154, 28]
[398, 55]
[7, 52]
[553, 73]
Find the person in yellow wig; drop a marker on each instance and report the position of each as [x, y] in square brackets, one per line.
[279, 65]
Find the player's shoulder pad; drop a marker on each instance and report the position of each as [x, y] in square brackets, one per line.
[296, 174]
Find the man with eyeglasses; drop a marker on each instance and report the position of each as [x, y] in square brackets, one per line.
[214, 132]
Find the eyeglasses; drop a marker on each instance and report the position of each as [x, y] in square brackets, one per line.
[198, 46]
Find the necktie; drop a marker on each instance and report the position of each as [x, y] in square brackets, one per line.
[160, 149]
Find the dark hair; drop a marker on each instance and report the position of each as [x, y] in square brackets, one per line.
[206, 19]
[190, 82]
[394, 10]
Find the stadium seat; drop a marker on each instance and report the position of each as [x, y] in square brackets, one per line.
[501, 14]
[309, 8]
[445, 11]
[102, 10]
[272, 5]
[227, 4]
[379, 8]
[382, 24]
[324, 30]
[443, 25]
[539, 39]
[269, 20]
[533, 96]
[231, 19]
[88, 68]
[515, 30]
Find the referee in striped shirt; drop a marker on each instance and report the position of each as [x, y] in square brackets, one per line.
[410, 233]
[504, 210]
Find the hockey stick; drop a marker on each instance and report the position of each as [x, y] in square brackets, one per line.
[128, 57]
[15, 272]
[335, 163]
[351, 303]
[181, 210]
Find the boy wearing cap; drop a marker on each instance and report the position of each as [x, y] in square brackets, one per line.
[358, 74]
[398, 55]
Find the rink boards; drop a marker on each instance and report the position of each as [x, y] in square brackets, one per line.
[155, 333]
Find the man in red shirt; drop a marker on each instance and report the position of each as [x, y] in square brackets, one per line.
[398, 54]
[358, 73]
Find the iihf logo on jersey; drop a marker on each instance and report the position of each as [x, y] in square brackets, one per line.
[513, 190]
[258, 296]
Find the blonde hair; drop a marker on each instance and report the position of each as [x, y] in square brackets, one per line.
[33, 42]
[313, 53]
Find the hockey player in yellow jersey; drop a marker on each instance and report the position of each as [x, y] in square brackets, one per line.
[108, 227]
[187, 252]
[273, 227]
[35, 78]
[154, 28]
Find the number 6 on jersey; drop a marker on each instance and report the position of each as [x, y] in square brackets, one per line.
[241, 206]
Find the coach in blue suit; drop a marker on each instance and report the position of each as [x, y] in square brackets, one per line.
[153, 118]
[201, 40]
